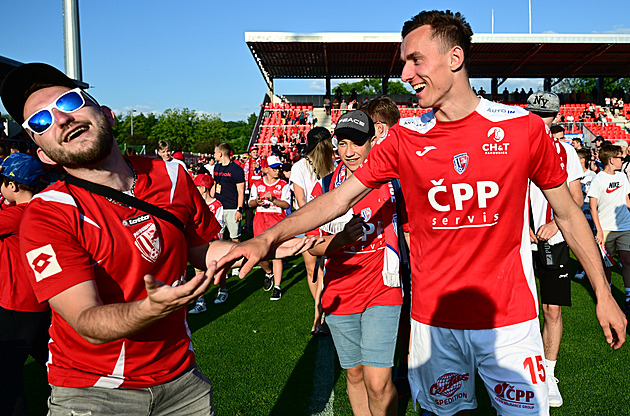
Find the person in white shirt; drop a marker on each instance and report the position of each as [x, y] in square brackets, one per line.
[610, 206]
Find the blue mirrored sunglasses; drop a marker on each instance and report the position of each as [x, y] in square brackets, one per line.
[67, 102]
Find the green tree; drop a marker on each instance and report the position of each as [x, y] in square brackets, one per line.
[373, 86]
[587, 84]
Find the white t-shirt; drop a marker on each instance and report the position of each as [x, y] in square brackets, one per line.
[541, 211]
[589, 175]
[302, 176]
[611, 192]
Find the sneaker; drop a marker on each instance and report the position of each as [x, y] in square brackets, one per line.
[581, 275]
[276, 294]
[221, 297]
[235, 272]
[555, 399]
[199, 307]
[268, 282]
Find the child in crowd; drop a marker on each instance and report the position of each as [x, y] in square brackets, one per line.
[204, 183]
[270, 197]
[24, 321]
[609, 208]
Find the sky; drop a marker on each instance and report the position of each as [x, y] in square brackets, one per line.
[154, 55]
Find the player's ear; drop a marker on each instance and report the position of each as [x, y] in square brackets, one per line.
[109, 114]
[456, 55]
[44, 157]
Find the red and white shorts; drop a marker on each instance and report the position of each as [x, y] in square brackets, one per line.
[510, 361]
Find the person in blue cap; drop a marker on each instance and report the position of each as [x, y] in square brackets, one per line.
[24, 321]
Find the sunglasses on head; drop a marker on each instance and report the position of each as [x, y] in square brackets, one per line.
[43, 119]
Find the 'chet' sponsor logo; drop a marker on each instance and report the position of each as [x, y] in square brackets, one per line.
[497, 134]
[460, 196]
[136, 220]
[511, 396]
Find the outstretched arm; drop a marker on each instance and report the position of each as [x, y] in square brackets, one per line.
[579, 237]
[317, 212]
[83, 309]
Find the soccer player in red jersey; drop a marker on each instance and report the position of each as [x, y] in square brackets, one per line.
[464, 169]
[113, 275]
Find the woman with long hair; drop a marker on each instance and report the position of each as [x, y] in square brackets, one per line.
[317, 162]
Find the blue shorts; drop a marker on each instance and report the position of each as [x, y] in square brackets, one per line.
[367, 338]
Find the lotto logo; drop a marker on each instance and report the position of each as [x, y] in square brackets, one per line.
[43, 262]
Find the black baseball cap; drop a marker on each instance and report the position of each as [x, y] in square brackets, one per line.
[356, 126]
[21, 79]
[314, 136]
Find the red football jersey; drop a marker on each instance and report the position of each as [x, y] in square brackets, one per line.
[16, 293]
[465, 184]
[353, 280]
[70, 235]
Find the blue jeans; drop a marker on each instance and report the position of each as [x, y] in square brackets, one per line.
[190, 394]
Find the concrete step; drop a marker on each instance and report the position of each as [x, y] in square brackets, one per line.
[323, 120]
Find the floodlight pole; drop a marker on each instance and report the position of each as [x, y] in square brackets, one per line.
[530, 17]
[131, 113]
[72, 39]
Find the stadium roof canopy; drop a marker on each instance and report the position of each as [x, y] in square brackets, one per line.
[377, 55]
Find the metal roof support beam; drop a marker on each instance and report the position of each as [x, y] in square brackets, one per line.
[270, 92]
[547, 84]
[588, 58]
[502, 81]
[385, 87]
[494, 87]
[530, 54]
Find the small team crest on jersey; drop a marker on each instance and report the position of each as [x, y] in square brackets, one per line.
[366, 214]
[460, 162]
[261, 189]
[148, 242]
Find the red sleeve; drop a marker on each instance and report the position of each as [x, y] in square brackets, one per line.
[545, 167]
[381, 164]
[53, 259]
[10, 219]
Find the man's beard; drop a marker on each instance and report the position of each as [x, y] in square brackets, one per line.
[99, 149]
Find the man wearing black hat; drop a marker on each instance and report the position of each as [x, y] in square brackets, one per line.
[551, 252]
[114, 275]
[464, 170]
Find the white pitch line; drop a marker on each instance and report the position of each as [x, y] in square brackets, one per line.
[324, 379]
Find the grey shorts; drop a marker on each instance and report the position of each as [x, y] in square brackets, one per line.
[190, 394]
[231, 224]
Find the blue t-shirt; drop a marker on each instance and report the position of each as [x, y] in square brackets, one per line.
[226, 178]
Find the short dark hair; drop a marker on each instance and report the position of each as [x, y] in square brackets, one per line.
[607, 152]
[382, 109]
[163, 144]
[451, 29]
[29, 188]
[584, 154]
[225, 148]
[556, 129]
